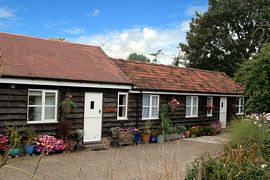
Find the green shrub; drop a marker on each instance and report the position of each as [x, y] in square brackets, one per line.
[247, 132]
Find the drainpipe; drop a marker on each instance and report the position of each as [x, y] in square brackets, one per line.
[137, 119]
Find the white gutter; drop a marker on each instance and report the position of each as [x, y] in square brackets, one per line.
[62, 83]
[186, 94]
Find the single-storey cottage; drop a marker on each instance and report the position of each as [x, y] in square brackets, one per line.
[39, 73]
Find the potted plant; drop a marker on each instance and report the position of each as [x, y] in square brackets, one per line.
[137, 136]
[160, 136]
[146, 132]
[77, 136]
[49, 144]
[180, 129]
[154, 137]
[114, 131]
[3, 144]
[14, 140]
[68, 104]
[187, 132]
[172, 104]
[31, 138]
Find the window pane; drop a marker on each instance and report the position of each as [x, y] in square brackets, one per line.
[209, 101]
[35, 98]
[154, 101]
[195, 100]
[122, 99]
[49, 98]
[194, 112]
[49, 112]
[188, 103]
[241, 109]
[242, 101]
[145, 113]
[188, 111]
[34, 114]
[146, 100]
[122, 111]
[154, 112]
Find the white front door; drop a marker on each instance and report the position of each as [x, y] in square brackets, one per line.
[223, 111]
[92, 117]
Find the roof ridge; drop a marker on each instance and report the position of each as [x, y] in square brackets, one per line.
[46, 40]
[167, 65]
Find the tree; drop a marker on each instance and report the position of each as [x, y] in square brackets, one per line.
[254, 75]
[156, 55]
[180, 59]
[229, 33]
[138, 57]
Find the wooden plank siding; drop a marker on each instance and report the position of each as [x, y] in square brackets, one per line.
[13, 109]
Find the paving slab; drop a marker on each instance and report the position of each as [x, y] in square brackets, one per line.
[146, 161]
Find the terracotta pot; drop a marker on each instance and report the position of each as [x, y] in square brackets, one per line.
[67, 146]
[145, 138]
[187, 134]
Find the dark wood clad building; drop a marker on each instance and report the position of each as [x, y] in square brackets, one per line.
[38, 73]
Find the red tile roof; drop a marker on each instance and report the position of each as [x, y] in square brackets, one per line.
[149, 76]
[42, 58]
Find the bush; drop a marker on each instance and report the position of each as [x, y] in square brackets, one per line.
[246, 156]
[206, 167]
[247, 132]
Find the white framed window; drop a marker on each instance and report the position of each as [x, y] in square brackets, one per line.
[150, 106]
[122, 106]
[42, 106]
[240, 106]
[192, 106]
[209, 106]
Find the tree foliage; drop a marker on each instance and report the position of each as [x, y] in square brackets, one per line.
[230, 32]
[138, 57]
[156, 55]
[254, 75]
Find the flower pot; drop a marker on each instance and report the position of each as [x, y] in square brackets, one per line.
[187, 134]
[14, 151]
[137, 139]
[153, 139]
[67, 146]
[114, 143]
[29, 149]
[160, 138]
[145, 138]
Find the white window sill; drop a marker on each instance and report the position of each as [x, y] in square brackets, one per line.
[122, 119]
[41, 122]
[191, 116]
[239, 114]
[209, 115]
[154, 118]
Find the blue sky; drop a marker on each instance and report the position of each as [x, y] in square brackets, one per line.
[120, 27]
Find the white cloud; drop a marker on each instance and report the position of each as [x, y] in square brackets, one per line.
[96, 12]
[149, 34]
[6, 13]
[120, 43]
[60, 26]
[74, 30]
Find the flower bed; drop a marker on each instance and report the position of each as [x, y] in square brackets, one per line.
[49, 144]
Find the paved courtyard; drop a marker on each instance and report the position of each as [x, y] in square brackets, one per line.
[150, 161]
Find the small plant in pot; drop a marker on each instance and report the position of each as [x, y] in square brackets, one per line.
[14, 139]
[137, 136]
[187, 132]
[68, 105]
[114, 131]
[31, 139]
[154, 136]
[146, 132]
